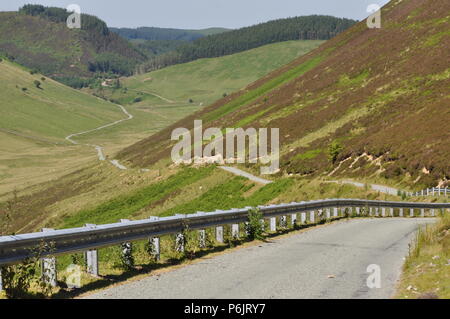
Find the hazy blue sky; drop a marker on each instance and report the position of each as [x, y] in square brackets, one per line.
[196, 14]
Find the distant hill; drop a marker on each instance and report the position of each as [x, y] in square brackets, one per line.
[153, 33]
[223, 43]
[206, 80]
[368, 104]
[38, 38]
[154, 41]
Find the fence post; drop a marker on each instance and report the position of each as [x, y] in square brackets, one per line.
[273, 224]
[48, 266]
[91, 257]
[219, 234]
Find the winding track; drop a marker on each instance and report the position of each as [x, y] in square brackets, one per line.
[99, 149]
[324, 262]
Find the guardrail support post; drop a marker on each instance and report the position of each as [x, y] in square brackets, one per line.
[283, 221]
[48, 266]
[273, 224]
[293, 219]
[127, 249]
[312, 216]
[155, 248]
[335, 212]
[400, 212]
[432, 212]
[179, 243]
[303, 218]
[219, 234]
[328, 213]
[411, 212]
[422, 212]
[383, 211]
[235, 231]
[202, 238]
[1, 280]
[91, 257]
[391, 212]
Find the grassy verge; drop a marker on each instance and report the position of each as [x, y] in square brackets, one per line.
[426, 272]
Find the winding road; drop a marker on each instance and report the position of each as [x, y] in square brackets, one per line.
[101, 155]
[324, 262]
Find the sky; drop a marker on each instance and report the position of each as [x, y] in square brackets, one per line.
[199, 14]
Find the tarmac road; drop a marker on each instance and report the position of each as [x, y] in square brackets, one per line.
[323, 262]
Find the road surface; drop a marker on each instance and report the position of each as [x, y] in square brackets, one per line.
[375, 187]
[324, 262]
[238, 172]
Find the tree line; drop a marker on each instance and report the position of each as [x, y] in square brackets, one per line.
[314, 27]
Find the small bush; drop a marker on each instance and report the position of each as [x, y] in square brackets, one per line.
[254, 227]
[37, 84]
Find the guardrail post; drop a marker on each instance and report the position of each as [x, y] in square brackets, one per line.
[283, 221]
[303, 218]
[179, 243]
[335, 212]
[202, 238]
[219, 234]
[422, 212]
[1, 280]
[383, 211]
[273, 224]
[155, 247]
[358, 211]
[312, 216]
[370, 211]
[391, 210]
[328, 212]
[235, 231]
[127, 249]
[91, 257]
[293, 219]
[400, 212]
[48, 266]
[411, 212]
[432, 212]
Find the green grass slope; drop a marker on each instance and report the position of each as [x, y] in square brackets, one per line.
[368, 104]
[206, 80]
[50, 112]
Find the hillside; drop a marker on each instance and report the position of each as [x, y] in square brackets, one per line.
[43, 42]
[347, 109]
[35, 121]
[207, 80]
[215, 45]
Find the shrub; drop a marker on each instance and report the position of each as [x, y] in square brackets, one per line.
[334, 150]
[37, 84]
[254, 227]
